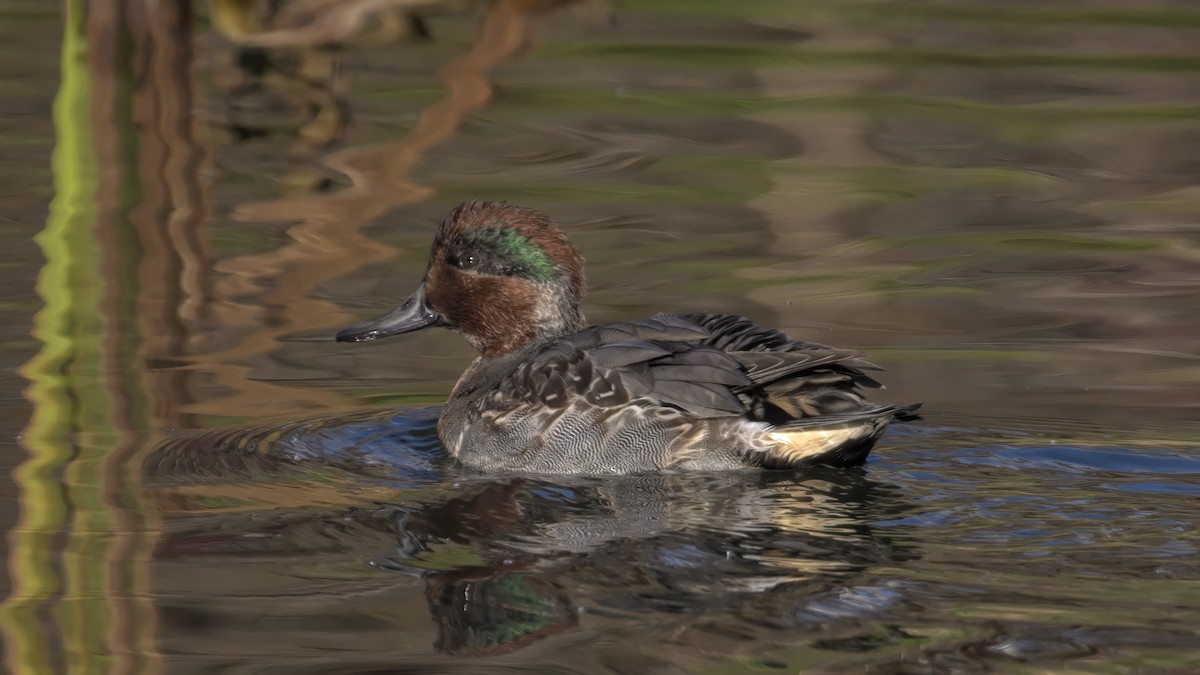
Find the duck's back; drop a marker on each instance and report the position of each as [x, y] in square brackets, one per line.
[700, 391]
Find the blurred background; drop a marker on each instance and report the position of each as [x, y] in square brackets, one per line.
[997, 201]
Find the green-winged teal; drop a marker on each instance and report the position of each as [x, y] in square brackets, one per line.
[548, 394]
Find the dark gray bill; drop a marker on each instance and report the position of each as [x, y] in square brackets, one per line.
[412, 314]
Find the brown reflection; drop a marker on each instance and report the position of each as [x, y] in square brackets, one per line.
[149, 192]
[171, 215]
[327, 242]
[149, 187]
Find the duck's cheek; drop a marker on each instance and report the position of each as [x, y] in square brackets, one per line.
[445, 293]
[465, 300]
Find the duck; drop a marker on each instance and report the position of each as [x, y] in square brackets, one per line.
[548, 394]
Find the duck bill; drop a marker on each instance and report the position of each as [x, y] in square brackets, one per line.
[412, 314]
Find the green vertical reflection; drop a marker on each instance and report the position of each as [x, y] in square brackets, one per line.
[66, 588]
[33, 567]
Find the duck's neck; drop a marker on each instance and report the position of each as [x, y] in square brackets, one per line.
[554, 312]
[557, 312]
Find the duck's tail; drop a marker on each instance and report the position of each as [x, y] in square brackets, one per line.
[831, 440]
[907, 413]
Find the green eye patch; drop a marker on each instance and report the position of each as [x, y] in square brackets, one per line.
[506, 251]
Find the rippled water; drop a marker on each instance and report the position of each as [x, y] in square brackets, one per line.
[996, 200]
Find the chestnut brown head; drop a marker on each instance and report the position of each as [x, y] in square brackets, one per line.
[501, 275]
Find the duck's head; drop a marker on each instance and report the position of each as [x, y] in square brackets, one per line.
[501, 275]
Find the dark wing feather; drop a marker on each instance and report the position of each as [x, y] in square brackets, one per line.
[769, 355]
[767, 367]
[708, 365]
[734, 333]
[629, 352]
[699, 373]
[657, 358]
[661, 328]
[792, 379]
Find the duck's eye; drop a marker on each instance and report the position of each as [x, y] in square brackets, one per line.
[466, 261]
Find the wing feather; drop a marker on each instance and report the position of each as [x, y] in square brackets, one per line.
[707, 365]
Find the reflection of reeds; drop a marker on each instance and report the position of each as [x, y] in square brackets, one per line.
[123, 281]
[327, 242]
[32, 565]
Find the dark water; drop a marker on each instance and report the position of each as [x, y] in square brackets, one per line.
[997, 200]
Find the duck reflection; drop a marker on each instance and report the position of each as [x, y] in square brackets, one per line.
[680, 544]
[508, 561]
